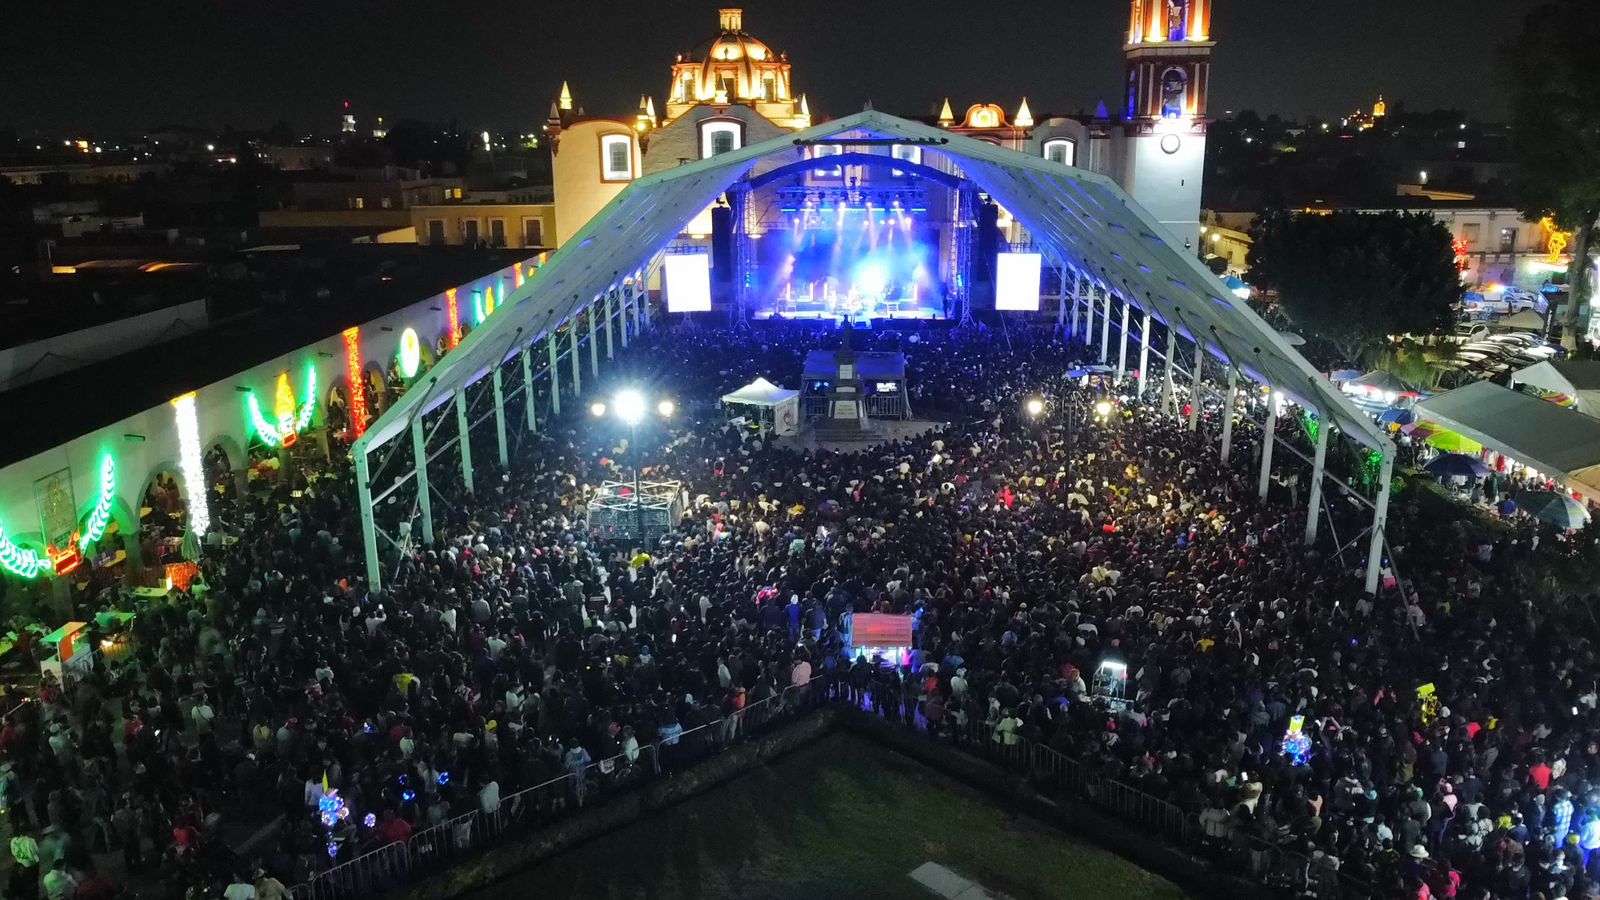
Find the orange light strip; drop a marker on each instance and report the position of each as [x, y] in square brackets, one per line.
[358, 382]
[454, 312]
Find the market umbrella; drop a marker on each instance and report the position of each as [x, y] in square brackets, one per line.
[1397, 417]
[1457, 464]
[1451, 442]
[1557, 509]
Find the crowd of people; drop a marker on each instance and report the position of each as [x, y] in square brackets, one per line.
[510, 647]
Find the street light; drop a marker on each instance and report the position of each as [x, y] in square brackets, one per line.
[1102, 408]
[629, 405]
[1034, 406]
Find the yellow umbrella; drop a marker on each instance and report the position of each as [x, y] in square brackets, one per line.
[1451, 442]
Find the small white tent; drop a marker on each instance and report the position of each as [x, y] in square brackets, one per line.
[775, 407]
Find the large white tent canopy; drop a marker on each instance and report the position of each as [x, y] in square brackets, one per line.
[1079, 220]
[1534, 432]
[1579, 380]
[760, 392]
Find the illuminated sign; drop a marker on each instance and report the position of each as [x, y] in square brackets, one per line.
[288, 420]
[880, 630]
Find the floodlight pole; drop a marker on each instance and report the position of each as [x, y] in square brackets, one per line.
[1317, 468]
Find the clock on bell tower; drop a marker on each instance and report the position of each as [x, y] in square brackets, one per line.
[1168, 54]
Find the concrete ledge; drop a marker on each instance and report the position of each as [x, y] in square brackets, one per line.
[518, 853]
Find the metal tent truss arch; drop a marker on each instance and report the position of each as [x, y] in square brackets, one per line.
[1081, 221]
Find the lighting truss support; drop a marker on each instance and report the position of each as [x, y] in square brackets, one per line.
[1144, 352]
[1380, 518]
[527, 387]
[464, 435]
[626, 310]
[1122, 349]
[1196, 395]
[555, 374]
[1227, 412]
[419, 453]
[575, 359]
[1269, 436]
[1318, 467]
[1061, 297]
[611, 313]
[500, 418]
[1086, 295]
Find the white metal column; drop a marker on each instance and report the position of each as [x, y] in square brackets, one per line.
[1122, 349]
[555, 374]
[369, 528]
[611, 312]
[575, 359]
[1227, 412]
[641, 299]
[1268, 436]
[594, 345]
[1167, 387]
[1380, 516]
[1105, 328]
[1144, 353]
[1318, 464]
[419, 451]
[527, 386]
[466, 437]
[627, 304]
[500, 418]
[1196, 396]
[1074, 304]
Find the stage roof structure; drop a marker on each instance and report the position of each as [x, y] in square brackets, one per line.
[1079, 219]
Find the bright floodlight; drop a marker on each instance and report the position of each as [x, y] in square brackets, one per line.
[872, 279]
[598, 409]
[1035, 406]
[1103, 408]
[666, 408]
[629, 406]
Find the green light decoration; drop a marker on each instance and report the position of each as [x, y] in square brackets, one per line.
[410, 353]
[19, 561]
[100, 517]
[1309, 421]
[1371, 466]
[289, 421]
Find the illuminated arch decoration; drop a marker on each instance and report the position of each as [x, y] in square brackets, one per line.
[410, 353]
[192, 463]
[453, 309]
[288, 420]
[20, 561]
[100, 516]
[358, 381]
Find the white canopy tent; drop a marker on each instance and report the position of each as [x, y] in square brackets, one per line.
[1081, 221]
[1561, 443]
[1578, 380]
[779, 405]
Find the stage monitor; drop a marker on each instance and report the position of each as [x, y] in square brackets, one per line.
[688, 282]
[1016, 281]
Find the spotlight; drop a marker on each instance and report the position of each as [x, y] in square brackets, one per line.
[1034, 406]
[666, 408]
[1102, 408]
[598, 409]
[629, 406]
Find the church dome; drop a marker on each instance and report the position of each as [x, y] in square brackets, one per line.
[731, 66]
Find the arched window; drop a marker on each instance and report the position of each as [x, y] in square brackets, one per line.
[1061, 150]
[616, 157]
[1174, 88]
[1177, 14]
[720, 136]
[1133, 94]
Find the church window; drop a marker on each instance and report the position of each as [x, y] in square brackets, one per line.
[1063, 151]
[719, 136]
[1174, 88]
[616, 157]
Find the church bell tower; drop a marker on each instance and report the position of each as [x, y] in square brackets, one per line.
[1168, 54]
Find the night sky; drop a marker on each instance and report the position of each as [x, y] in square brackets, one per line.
[498, 63]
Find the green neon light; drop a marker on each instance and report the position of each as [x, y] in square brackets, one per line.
[100, 517]
[410, 353]
[273, 435]
[18, 561]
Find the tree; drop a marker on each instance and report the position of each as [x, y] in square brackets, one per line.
[1549, 72]
[1355, 280]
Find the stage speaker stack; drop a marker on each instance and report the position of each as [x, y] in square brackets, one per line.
[983, 260]
[721, 244]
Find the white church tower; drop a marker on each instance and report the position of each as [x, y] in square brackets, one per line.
[1164, 113]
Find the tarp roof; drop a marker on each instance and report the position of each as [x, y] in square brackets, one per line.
[1536, 433]
[760, 392]
[1077, 218]
[1527, 320]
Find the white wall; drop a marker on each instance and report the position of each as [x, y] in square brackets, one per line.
[1168, 184]
[222, 412]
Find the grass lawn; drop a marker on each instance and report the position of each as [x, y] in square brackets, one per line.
[840, 818]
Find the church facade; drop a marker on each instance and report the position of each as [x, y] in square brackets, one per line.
[733, 90]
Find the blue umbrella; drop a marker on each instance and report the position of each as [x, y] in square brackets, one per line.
[1507, 506]
[1457, 464]
[1397, 417]
[1557, 509]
